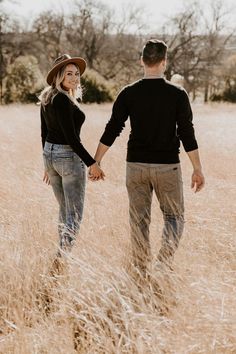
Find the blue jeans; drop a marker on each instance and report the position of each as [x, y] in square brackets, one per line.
[166, 181]
[67, 174]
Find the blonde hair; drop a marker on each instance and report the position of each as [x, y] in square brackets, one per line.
[48, 94]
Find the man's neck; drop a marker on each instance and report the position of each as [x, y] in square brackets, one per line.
[155, 71]
[153, 74]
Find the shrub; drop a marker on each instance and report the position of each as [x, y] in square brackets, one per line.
[215, 97]
[24, 80]
[228, 95]
[95, 88]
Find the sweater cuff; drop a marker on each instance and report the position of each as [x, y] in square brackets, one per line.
[190, 147]
[106, 141]
[89, 162]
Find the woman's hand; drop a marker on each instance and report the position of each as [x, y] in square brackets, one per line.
[95, 172]
[46, 178]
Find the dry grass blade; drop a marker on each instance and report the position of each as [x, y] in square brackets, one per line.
[95, 303]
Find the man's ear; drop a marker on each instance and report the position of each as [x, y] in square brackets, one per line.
[164, 63]
[141, 61]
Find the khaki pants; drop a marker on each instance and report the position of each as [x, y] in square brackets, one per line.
[166, 181]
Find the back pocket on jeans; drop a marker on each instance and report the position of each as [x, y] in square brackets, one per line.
[64, 165]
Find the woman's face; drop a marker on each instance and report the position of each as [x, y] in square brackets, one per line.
[71, 78]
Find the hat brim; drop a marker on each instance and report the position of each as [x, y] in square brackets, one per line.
[77, 60]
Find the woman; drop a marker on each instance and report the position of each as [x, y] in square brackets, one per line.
[64, 155]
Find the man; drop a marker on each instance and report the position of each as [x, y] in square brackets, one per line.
[160, 116]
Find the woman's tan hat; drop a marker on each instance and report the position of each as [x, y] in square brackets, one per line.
[64, 60]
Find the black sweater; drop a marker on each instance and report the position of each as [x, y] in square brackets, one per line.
[61, 123]
[160, 116]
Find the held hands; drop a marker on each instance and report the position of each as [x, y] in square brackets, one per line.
[95, 172]
[198, 181]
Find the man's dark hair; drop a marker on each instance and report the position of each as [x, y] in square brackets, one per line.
[154, 52]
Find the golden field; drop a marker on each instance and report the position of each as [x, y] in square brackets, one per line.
[94, 306]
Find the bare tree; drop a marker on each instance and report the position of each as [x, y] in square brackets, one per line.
[48, 30]
[121, 54]
[1, 60]
[87, 28]
[215, 39]
[185, 47]
[196, 44]
[111, 42]
[107, 44]
[9, 30]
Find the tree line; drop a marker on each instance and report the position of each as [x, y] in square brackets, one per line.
[202, 50]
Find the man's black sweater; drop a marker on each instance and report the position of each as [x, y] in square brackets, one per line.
[61, 122]
[160, 116]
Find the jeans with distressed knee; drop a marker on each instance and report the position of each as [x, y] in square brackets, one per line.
[67, 174]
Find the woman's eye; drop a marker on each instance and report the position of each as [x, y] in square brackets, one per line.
[75, 74]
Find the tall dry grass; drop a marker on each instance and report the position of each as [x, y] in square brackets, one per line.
[95, 305]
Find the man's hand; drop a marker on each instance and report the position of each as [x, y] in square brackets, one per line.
[198, 180]
[95, 172]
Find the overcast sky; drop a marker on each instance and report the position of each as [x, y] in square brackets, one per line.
[156, 11]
